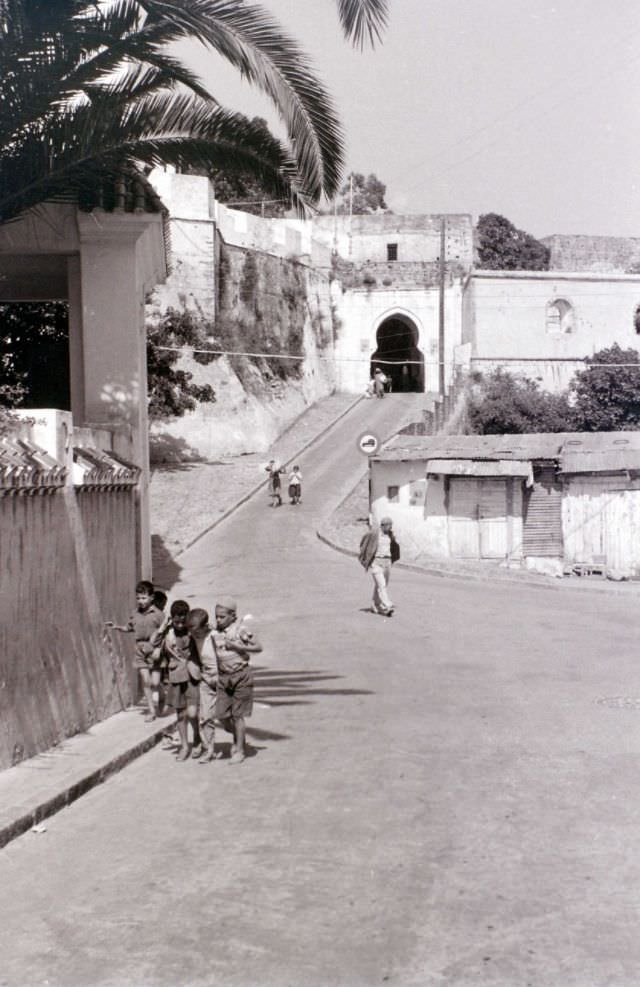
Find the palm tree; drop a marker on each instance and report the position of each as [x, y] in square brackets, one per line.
[89, 89]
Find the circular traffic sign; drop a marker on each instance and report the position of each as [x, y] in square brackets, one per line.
[368, 443]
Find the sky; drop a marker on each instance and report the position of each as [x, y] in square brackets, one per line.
[529, 109]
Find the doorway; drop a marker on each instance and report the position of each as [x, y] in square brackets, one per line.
[397, 354]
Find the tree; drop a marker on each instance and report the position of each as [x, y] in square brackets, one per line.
[90, 90]
[503, 403]
[606, 395]
[34, 355]
[502, 247]
[171, 389]
[364, 197]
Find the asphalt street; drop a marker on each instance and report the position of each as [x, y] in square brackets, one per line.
[447, 797]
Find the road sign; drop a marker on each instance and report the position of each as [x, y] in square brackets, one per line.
[368, 443]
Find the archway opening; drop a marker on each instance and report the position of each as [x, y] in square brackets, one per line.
[397, 354]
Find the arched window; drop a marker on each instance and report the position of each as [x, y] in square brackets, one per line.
[636, 319]
[559, 316]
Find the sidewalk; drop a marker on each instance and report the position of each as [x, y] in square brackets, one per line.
[46, 783]
[43, 785]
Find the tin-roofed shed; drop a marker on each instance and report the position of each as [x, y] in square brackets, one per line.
[472, 496]
[543, 499]
[600, 475]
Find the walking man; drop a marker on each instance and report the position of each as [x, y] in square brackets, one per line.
[378, 551]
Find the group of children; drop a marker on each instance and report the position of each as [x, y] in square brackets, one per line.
[294, 482]
[199, 670]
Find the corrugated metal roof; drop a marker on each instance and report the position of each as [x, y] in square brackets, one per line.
[609, 461]
[544, 445]
[475, 467]
[577, 452]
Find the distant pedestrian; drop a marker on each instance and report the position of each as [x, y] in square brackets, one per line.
[274, 483]
[178, 650]
[295, 485]
[143, 624]
[379, 381]
[379, 549]
[234, 644]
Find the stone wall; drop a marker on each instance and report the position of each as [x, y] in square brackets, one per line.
[364, 239]
[594, 253]
[266, 304]
[507, 320]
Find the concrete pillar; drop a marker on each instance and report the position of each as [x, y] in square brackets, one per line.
[112, 388]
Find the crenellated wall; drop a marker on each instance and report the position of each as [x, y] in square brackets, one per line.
[57, 673]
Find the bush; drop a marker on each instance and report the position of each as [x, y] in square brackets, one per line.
[607, 398]
[171, 390]
[503, 403]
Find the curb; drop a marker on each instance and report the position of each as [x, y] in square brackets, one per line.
[10, 831]
[263, 483]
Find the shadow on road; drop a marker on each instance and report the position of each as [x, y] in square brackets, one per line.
[166, 571]
[283, 687]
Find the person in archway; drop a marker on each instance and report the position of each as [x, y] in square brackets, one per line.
[405, 376]
[379, 549]
[379, 380]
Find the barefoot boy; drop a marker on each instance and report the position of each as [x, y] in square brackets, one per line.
[178, 650]
[234, 645]
[143, 624]
[200, 630]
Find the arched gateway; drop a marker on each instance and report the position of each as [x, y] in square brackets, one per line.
[397, 353]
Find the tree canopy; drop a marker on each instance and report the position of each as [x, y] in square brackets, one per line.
[606, 394]
[502, 403]
[503, 247]
[361, 195]
[92, 89]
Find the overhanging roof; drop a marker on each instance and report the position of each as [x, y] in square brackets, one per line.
[474, 467]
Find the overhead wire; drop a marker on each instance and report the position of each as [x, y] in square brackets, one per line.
[596, 82]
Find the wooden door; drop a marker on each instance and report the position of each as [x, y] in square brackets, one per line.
[492, 518]
[464, 540]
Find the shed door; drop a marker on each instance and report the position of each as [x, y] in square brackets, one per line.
[464, 541]
[492, 517]
[543, 516]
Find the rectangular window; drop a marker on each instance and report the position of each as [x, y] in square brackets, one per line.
[392, 251]
[392, 494]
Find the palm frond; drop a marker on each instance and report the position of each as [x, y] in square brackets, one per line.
[363, 20]
[92, 83]
[253, 42]
[182, 130]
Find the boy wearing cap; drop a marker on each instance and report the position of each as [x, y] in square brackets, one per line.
[378, 551]
[234, 644]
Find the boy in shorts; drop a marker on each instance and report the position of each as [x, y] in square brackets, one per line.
[200, 630]
[177, 649]
[234, 644]
[295, 485]
[143, 624]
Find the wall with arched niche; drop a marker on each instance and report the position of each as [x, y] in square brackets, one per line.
[361, 313]
[543, 324]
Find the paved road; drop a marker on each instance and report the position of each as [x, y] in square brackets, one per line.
[449, 797]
